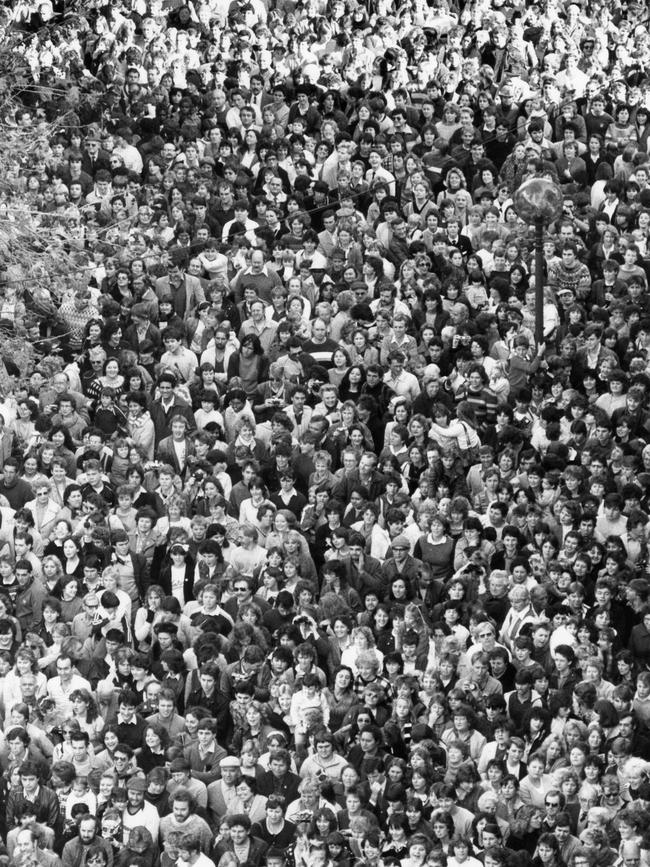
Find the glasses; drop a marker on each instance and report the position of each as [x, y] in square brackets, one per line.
[241, 589]
[486, 635]
[552, 803]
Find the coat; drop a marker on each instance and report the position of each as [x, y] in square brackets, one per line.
[167, 454]
[184, 302]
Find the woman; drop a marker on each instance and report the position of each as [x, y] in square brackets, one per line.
[177, 574]
[249, 801]
[71, 598]
[140, 425]
[26, 663]
[397, 731]
[84, 712]
[249, 364]
[256, 728]
[437, 549]
[547, 853]
[146, 616]
[153, 753]
[110, 378]
[72, 559]
[463, 729]
[53, 575]
[362, 640]
[72, 510]
[64, 447]
[341, 698]
[24, 427]
[463, 431]
[443, 829]
[361, 351]
[339, 637]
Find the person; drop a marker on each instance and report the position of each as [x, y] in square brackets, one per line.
[77, 851]
[249, 849]
[482, 509]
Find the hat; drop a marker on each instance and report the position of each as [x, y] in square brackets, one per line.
[321, 187]
[166, 626]
[136, 784]
[230, 762]
[400, 542]
[284, 598]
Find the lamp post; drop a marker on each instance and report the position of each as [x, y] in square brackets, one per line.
[537, 202]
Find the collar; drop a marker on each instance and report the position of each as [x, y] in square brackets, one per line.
[264, 270]
[123, 722]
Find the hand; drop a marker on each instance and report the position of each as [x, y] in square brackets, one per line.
[541, 349]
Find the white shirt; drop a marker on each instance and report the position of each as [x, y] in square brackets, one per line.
[60, 693]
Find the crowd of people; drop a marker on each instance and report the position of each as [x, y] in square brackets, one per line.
[313, 553]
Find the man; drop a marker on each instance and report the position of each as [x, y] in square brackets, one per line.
[257, 277]
[403, 383]
[129, 725]
[248, 849]
[205, 755]
[402, 564]
[28, 603]
[132, 569]
[139, 812]
[44, 800]
[189, 852]
[76, 314]
[16, 490]
[176, 450]
[176, 357]
[30, 848]
[279, 780]
[75, 851]
[168, 407]
[320, 348]
[186, 291]
[172, 722]
[61, 687]
[259, 325]
[183, 819]
[222, 794]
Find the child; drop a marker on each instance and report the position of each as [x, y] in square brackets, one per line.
[123, 516]
[306, 700]
[108, 416]
[80, 795]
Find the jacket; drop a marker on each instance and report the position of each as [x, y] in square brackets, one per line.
[167, 453]
[186, 300]
[74, 851]
[29, 606]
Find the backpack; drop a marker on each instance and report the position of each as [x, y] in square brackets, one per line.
[469, 446]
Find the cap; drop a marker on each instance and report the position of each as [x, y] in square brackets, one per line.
[136, 784]
[166, 626]
[400, 542]
[230, 762]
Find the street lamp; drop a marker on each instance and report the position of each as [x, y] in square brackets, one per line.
[537, 202]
